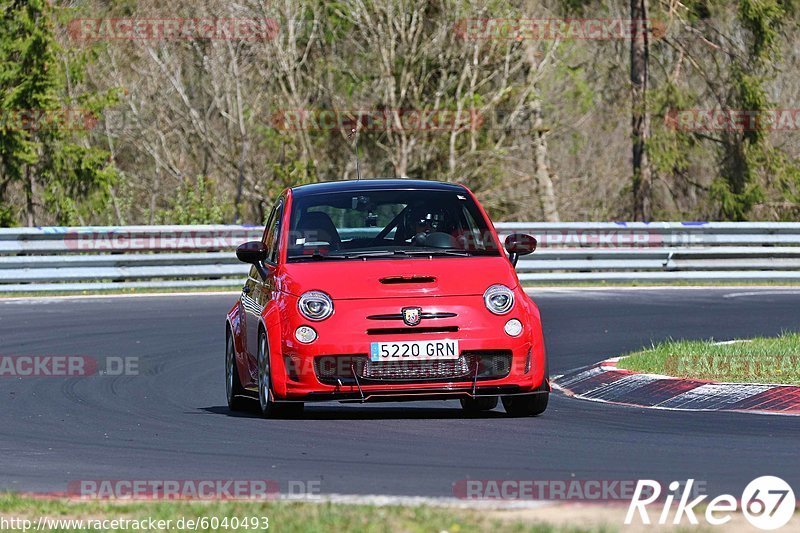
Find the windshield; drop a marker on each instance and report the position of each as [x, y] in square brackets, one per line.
[387, 223]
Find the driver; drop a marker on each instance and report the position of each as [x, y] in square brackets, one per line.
[429, 223]
[430, 226]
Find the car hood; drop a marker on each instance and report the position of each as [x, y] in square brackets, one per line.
[384, 278]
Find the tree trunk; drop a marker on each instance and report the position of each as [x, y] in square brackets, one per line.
[237, 217]
[544, 184]
[154, 192]
[640, 117]
[29, 186]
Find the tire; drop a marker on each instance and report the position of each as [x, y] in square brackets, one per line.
[531, 405]
[233, 387]
[478, 405]
[266, 399]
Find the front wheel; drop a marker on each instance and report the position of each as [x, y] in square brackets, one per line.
[233, 387]
[266, 399]
[531, 405]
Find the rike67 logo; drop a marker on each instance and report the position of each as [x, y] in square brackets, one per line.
[767, 502]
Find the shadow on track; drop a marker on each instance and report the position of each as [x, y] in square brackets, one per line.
[361, 412]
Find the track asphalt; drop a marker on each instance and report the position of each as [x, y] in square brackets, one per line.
[170, 422]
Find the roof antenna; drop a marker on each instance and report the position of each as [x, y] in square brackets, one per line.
[358, 166]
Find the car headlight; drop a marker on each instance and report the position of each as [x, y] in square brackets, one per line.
[315, 305]
[499, 299]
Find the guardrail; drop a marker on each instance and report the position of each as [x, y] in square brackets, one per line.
[98, 258]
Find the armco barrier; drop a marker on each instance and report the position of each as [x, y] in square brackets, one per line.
[99, 258]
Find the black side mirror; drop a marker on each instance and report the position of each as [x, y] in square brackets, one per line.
[254, 253]
[518, 244]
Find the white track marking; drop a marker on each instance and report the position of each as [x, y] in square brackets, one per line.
[767, 292]
[589, 372]
[676, 409]
[720, 395]
[621, 386]
[380, 500]
[714, 395]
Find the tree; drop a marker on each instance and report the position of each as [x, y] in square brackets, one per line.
[738, 167]
[640, 117]
[556, 113]
[746, 154]
[43, 122]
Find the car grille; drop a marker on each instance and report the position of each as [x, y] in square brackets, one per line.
[335, 369]
[416, 370]
[490, 364]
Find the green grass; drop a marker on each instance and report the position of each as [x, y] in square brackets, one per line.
[283, 516]
[758, 360]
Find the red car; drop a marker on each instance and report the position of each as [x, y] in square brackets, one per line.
[384, 290]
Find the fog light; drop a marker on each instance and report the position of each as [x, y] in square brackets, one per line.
[513, 327]
[305, 334]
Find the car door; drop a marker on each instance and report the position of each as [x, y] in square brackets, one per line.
[257, 290]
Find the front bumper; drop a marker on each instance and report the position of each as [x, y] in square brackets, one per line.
[345, 338]
[423, 395]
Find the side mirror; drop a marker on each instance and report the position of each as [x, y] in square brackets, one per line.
[254, 253]
[518, 244]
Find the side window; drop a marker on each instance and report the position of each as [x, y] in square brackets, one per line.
[273, 231]
[473, 240]
[269, 224]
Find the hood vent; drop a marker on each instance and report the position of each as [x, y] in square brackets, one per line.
[397, 280]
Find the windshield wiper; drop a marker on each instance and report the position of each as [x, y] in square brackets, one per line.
[395, 253]
[319, 257]
[460, 252]
[377, 253]
[445, 251]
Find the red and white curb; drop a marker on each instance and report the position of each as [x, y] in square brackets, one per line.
[604, 382]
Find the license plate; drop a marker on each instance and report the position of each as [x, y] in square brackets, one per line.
[413, 350]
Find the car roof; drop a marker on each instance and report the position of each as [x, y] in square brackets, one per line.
[374, 184]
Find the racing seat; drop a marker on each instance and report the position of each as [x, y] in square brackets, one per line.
[316, 226]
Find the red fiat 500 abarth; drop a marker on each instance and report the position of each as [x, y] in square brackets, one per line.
[384, 290]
